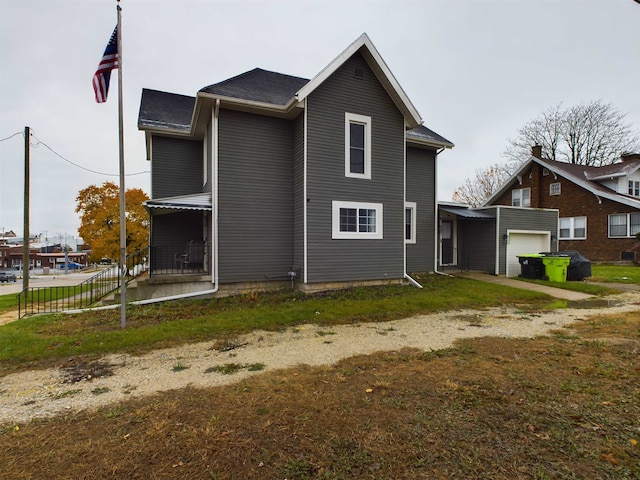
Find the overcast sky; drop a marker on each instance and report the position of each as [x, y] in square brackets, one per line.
[475, 70]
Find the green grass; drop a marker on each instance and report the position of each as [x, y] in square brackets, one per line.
[46, 338]
[600, 273]
[615, 273]
[8, 302]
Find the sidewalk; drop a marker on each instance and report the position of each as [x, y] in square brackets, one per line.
[551, 291]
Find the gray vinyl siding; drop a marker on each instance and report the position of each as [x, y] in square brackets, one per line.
[421, 190]
[176, 167]
[351, 260]
[255, 208]
[524, 219]
[298, 196]
[477, 244]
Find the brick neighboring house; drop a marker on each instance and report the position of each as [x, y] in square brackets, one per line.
[599, 207]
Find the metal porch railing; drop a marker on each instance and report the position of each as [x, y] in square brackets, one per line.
[84, 295]
[187, 259]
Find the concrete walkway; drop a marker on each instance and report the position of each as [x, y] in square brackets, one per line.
[510, 282]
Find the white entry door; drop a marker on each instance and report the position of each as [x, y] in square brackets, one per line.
[522, 242]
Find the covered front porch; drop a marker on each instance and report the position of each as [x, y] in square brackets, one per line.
[180, 236]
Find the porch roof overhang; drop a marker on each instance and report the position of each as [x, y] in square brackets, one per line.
[467, 213]
[199, 201]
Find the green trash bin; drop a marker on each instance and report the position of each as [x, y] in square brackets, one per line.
[556, 267]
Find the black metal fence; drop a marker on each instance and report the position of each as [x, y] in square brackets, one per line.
[83, 295]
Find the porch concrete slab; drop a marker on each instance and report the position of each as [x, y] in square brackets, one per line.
[510, 282]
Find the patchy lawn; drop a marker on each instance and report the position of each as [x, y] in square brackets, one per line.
[565, 406]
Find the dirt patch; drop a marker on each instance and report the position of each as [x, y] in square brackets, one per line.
[78, 370]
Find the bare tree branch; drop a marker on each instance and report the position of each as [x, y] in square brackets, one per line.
[474, 191]
[593, 134]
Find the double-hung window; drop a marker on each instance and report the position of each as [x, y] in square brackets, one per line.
[410, 222]
[521, 197]
[634, 188]
[554, 189]
[624, 224]
[357, 149]
[573, 228]
[353, 220]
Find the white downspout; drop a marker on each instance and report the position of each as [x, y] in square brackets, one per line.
[408, 277]
[436, 242]
[214, 198]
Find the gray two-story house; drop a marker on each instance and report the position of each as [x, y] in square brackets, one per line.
[268, 177]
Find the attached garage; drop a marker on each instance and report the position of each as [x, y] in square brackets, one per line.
[521, 242]
[489, 239]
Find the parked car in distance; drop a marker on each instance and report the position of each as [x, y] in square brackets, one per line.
[70, 266]
[7, 277]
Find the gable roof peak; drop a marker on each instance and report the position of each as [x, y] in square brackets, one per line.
[371, 55]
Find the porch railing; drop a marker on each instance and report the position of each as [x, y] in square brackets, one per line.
[83, 295]
[187, 259]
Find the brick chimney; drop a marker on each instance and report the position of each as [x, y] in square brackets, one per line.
[536, 151]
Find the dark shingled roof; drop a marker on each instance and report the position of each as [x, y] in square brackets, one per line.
[260, 86]
[578, 174]
[423, 133]
[588, 173]
[166, 110]
[172, 111]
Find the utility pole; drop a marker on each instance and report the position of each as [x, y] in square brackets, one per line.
[26, 235]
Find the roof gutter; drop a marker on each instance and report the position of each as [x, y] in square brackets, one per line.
[271, 107]
[430, 143]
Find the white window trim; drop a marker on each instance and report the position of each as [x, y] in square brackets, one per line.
[350, 118]
[520, 197]
[572, 228]
[336, 234]
[559, 185]
[414, 215]
[627, 225]
[631, 185]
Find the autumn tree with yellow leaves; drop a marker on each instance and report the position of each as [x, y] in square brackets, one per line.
[99, 209]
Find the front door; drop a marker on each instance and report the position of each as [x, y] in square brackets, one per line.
[446, 243]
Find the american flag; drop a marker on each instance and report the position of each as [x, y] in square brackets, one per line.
[103, 74]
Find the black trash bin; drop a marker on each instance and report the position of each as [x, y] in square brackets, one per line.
[531, 266]
[579, 267]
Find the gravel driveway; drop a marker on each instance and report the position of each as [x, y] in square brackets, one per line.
[77, 386]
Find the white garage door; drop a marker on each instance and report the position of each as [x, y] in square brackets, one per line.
[524, 242]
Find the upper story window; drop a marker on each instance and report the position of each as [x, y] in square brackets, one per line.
[573, 228]
[357, 149]
[521, 197]
[554, 189]
[353, 220]
[624, 224]
[634, 188]
[410, 222]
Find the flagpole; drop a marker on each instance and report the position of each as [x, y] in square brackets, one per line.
[123, 219]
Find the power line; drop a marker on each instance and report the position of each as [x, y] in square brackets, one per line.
[40, 142]
[11, 136]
